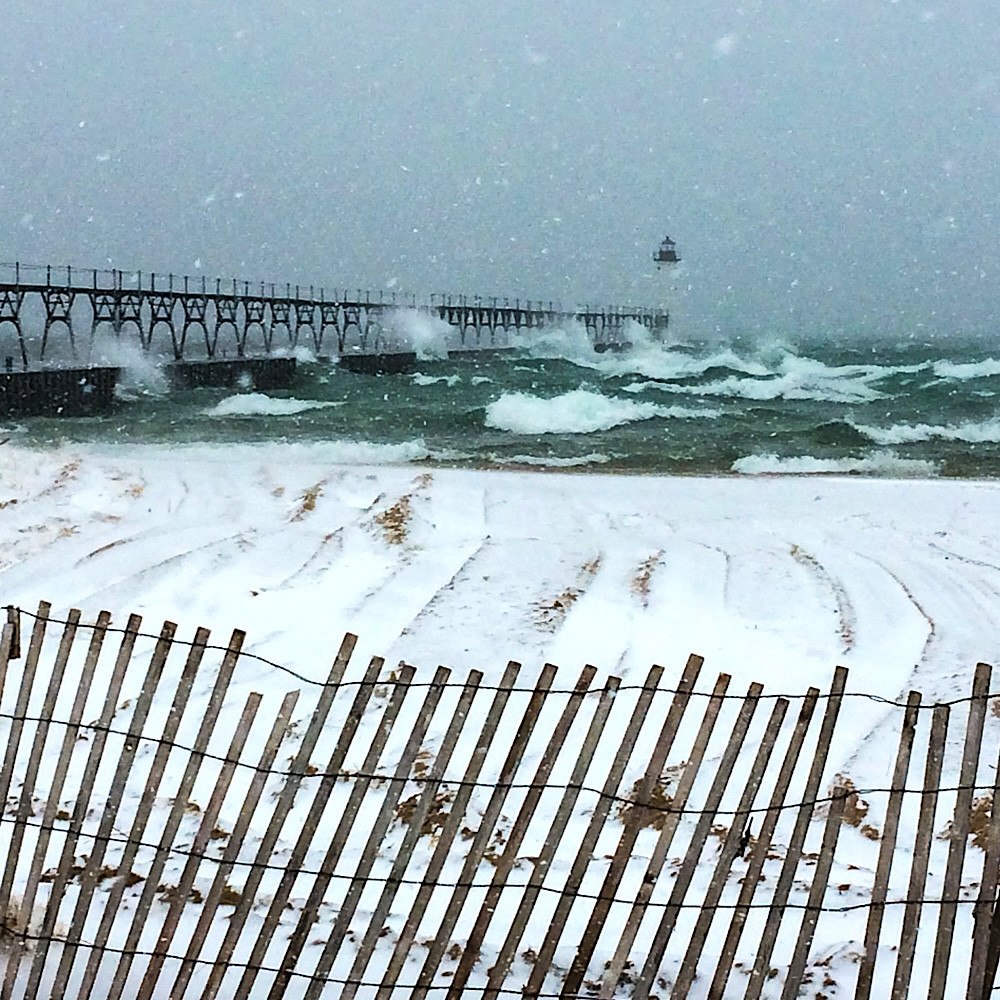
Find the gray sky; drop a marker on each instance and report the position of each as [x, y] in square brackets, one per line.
[824, 166]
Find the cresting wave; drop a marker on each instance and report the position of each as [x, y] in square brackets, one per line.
[576, 412]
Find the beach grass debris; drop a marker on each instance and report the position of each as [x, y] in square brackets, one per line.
[653, 812]
[550, 614]
[643, 575]
[307, 502]
[394, 520]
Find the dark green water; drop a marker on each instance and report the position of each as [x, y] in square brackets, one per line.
[901, 409]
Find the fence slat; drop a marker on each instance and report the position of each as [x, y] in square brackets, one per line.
[540, 866]
[14, 621]
[24, 807]
[762, 963]
[817, 892]
[762, 845]
[449, 831]
[209, 818]
[286, 799]
[730, 848]
[95, 860]
[321, 798]
[598, 817]
[982, 970]
[64, 869]
[508, 857]
[959, 831]
[234, 844]
[633, 825]
[70, 737]
[23, 697]
[368, 941]
[654, 867]
[6, 646]
[921, 852]
[141, 817]
[887, 849]
[486, 828]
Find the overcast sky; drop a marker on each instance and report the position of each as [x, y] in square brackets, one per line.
[824, 167]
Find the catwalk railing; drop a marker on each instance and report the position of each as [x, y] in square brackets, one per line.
[170, 832]
[51, 314]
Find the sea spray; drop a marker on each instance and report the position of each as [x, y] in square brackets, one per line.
[141, 373]
[568, 340]
[421, 332]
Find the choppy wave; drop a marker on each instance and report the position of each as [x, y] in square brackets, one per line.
[258, 404]
[419, 378]
[960, 372]
[380, 453]
[978, 432]
[882, 463]
[576, 412]
[569, 341]
[795, 379]
[663, 363]
[550, 461]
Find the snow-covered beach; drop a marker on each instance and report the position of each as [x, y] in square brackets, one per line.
[776, 578]
[773, 579]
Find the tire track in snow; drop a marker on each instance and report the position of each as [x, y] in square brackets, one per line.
[846, 615]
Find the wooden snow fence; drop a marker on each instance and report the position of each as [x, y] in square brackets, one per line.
[173, 828]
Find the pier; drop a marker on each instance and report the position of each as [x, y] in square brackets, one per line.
[69, 320]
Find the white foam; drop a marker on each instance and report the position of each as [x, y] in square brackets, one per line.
[660, 361]
[979, 432]
[796, 378]
[551, 462]
[576, 412]
[374, 453]
[257, 404]
[333, 452]
[304, 354]
[419, 378]
[775, 372]
[882, 463]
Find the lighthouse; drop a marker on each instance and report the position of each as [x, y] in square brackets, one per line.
[667, 254]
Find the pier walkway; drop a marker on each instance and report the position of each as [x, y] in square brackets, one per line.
[51, 316]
